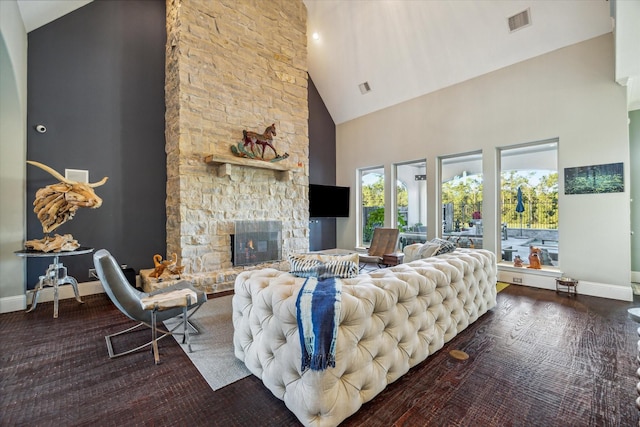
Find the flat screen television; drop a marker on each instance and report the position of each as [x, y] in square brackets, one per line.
[328, 201]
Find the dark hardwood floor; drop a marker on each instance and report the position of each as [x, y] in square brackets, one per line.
[537, 359]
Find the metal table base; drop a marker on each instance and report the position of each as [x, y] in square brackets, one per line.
[55, 276]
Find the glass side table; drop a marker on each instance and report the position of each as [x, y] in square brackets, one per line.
[55, 275]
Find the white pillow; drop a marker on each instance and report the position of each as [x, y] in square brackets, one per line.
[428, 250]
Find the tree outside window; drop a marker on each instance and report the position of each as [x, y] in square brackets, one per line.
[373, 205]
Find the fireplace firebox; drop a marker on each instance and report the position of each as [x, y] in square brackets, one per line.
[255, 242]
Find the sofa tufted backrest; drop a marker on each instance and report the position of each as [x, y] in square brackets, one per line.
[391, 319]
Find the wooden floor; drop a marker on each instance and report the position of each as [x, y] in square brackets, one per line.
[537, 359]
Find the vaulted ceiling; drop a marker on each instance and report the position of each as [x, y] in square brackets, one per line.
[407, 48]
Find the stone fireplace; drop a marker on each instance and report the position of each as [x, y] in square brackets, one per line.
[233, 65]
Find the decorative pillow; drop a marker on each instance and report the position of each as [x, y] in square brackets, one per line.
[341, 269]
[427, 250]
[324, 266]
[445, 246]
[353, 257]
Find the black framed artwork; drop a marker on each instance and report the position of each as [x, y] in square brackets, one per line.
[594, 179]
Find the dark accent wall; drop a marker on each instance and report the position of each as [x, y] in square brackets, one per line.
[322, 166]
[96, 81]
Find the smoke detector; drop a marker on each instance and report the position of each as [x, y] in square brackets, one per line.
[364, 87]
[519, 20]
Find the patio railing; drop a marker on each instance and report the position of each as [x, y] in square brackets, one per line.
[536, 215]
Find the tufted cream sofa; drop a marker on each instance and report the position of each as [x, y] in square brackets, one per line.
[391, 319]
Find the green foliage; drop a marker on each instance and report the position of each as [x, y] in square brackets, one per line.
[373, 197]
[376, 219]
[373, 194]
[540, 200]
[402, 196]
[466, 195]
[600, 184]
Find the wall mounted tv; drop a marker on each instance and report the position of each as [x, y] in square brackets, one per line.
[328, 201]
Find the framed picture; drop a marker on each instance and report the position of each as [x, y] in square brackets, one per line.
[594, 179]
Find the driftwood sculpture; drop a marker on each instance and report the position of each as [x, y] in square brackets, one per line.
[57, 203]
[56, 243]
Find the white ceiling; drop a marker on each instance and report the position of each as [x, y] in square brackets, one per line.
[408, 48]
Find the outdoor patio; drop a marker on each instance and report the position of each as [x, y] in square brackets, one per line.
[515, 242]
[519, 246]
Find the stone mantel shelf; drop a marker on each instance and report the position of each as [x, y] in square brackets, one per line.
[223, 166]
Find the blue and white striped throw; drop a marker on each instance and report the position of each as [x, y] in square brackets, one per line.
[318, 312]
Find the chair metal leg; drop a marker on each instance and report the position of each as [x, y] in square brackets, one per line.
[194, 328]
[186, 338]
[158, 330]
[108, 338]
[154, 337]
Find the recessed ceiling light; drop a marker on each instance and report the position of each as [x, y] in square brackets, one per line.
[315, 36]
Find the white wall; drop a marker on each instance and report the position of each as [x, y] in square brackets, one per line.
[568, 94]
[13, 146]
[634, 148]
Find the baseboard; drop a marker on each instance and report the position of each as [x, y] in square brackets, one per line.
[635, 276]
[14, 303]
[20, 302]
[547, 280]
[604, 290]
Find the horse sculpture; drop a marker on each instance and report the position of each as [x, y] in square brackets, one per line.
[251, 139]
[247, 147]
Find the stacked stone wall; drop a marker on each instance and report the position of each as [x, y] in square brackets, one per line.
[233, 65]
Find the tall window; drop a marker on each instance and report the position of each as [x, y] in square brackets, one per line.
[372, 202]
[411, 202]
[462, 199]
[529, 201]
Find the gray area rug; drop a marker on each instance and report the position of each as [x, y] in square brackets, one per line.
[213, 347]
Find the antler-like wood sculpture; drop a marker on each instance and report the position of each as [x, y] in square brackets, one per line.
[57, 203]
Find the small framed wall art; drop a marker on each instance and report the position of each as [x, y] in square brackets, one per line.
[595, 179]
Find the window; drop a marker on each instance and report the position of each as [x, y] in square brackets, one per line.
[529, 201]
[461, 198]
[371, 202]
[411, 202]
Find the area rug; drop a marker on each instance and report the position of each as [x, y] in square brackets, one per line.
[213, 348]
[501, 285]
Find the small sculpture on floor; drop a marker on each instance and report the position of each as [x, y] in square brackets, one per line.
[174, 267]
[517, 261]
[170, 266]
[160, 265]
[534, 258]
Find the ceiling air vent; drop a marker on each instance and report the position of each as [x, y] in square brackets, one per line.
[519, 20]
[364, 87]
